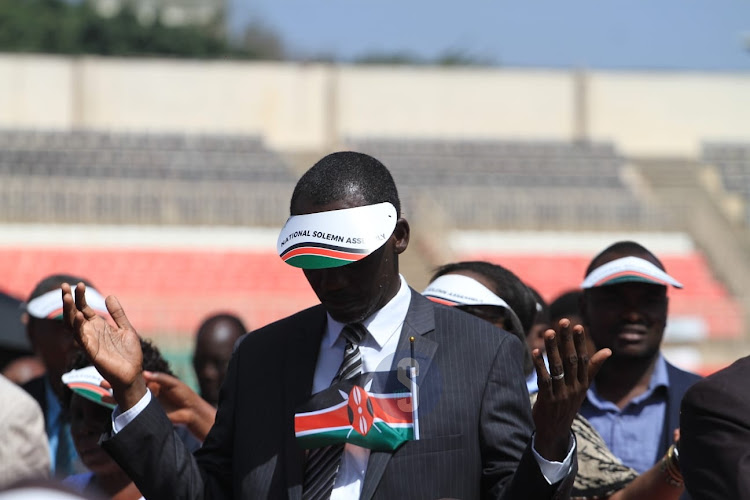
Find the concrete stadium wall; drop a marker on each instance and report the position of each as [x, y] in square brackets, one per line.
[301, 107]
[668, 113]
[36, 92]
[454, 103]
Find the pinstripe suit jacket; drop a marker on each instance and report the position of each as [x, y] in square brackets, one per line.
[475, 420]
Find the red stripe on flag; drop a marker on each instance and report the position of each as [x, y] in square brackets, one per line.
[334, 418]
[392, 410]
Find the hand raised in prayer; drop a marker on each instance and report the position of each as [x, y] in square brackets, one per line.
[114, 350]
[182, 404]
[563, 389]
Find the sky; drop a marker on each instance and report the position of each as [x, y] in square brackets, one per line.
[711, 35]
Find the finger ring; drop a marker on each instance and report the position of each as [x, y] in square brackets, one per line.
[558, 377]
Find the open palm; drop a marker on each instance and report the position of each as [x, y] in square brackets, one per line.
[114, 350]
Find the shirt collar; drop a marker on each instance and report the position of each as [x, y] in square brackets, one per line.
[659, 378]
[382, 324]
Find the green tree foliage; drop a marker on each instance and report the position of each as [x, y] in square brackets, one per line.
[450, 57]
[60, 27]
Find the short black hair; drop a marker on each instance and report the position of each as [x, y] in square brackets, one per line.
[54, 281]
[507, 286]
[623, 248]
[341, 174]
[234, 320]
[566, 305]
[153, 361]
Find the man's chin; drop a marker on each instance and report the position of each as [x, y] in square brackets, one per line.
[347, 316]
[633, 352]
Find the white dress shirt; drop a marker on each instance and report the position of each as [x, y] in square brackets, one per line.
[377, 350]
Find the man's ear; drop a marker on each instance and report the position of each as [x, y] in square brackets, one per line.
[401, 236]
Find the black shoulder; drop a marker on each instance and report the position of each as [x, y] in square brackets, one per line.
[681, 376]
[458, 322]
[725, 378]
[283, 330]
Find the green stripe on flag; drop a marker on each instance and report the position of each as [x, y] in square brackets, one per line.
[381, 437]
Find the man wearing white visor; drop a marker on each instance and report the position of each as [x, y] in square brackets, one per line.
[52, 341]
[634, 401]
[474, 424]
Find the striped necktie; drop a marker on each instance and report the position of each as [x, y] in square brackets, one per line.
[323, 463]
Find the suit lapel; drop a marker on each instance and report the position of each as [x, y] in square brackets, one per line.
[299, 373]
[420, 320]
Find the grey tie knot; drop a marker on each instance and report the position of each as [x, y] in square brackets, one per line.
[354, 333]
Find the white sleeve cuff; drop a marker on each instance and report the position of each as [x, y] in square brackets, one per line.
[120, 420]
[554, 471]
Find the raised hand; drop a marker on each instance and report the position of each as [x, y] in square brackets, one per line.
[562, 391]
[114, 350]
[182, 404]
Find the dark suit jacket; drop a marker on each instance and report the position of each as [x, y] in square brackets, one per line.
[715, 435]
[679, 382]
[474, 418]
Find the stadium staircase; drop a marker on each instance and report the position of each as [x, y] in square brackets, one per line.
[684, 188]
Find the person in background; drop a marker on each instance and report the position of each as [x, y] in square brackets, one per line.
[568, 305]
[634, 401]
[24, 452]
[494, 293]
[24, 369]
[53, 343]
[214, 344]
[90, 417]
[488, 303]
[542, 323]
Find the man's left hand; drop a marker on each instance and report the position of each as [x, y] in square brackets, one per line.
[563, 388]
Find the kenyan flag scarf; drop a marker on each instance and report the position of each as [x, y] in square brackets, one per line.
[373, 410]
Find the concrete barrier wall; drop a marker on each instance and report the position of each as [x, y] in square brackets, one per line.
[36, 92]
[668, 113]
[280, 102]
[298, 107]
[454, 103]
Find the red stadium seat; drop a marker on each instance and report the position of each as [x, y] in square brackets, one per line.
[170, 292]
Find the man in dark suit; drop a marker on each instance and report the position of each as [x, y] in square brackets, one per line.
[634, 402]
[476, 426]
[715, 435]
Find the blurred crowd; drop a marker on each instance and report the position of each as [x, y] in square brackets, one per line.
[523, 398]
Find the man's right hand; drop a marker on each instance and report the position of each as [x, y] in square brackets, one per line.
[115, 351]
